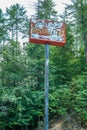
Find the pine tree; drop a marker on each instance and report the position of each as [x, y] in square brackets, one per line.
[79, 11]
[3, 29]
[17, 19]
[45, 9]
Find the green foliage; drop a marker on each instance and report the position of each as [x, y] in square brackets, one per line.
[61, 58]
[59, 103]
[79, 9]
[17, 21]
[22, 70]
[45, 9]
[3, 29]
[79, 94]
[36, 65]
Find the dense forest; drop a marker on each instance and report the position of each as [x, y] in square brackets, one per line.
[22, 68]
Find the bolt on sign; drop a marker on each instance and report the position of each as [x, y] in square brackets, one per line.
[47, 32]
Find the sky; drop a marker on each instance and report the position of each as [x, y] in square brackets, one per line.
[30, 9]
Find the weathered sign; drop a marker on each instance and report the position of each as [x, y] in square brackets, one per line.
[47, 32]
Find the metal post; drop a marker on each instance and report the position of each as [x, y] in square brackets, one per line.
[46, 85]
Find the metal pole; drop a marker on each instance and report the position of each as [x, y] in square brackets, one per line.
[46, 85]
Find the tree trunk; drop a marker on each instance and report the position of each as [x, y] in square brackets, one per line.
[86, 51]
[26, 127]
[22, 128]
[85, 46]
[13, 128]
[3, 79]
[12, 33]
[16, 31]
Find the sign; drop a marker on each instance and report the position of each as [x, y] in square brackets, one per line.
[47, 32]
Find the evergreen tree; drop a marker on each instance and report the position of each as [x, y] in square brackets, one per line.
[3, 30]
[79, 11]
[45, 9]
[17, 19]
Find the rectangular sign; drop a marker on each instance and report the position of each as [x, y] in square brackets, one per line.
[47, 32]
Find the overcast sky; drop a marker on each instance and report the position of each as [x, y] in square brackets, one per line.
[27, 4]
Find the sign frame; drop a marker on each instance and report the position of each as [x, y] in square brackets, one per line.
[43, 35]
